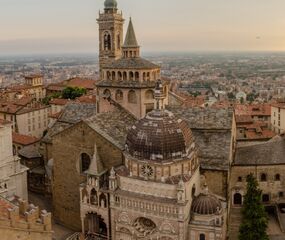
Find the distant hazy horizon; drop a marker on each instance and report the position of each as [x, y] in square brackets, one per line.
[69, 26]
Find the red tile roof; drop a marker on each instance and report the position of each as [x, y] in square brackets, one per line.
[87, 99]
[279, 105]
[24, 139]
[59, 101]
[82, 83]
[253, 110]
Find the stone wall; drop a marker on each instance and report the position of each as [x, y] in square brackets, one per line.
[67, 148]
[217, 181]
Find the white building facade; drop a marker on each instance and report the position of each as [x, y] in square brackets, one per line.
[13, 175]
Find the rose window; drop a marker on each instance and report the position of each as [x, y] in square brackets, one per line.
[147, 170]
[144, 226]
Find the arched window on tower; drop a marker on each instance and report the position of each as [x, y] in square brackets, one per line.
[149, 95]
[84, 162]
[137, 76]
[132, 97]
[107, 41]
[131, 76]
[119, 95]
[125, 76]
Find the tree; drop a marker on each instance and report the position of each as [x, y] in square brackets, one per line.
[73, 92]
[254, 217]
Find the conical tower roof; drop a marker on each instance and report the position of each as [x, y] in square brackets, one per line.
[131, 40]
[96, 166]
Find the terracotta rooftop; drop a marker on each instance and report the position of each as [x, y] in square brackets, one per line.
[258, 135]
[59, 101]
[243, 119]
[87, 99]
[24, 139]
[82, 83]
[279, 105]
[253, 110]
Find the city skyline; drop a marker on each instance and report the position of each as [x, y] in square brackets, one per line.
[69, 26]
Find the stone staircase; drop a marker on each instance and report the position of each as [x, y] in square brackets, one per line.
[234, 223]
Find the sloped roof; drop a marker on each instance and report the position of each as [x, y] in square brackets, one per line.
[130, 39]
[269, 153]
[24, 139]
[131, 63]
[71, 114]
[212, 132]
[113, 126]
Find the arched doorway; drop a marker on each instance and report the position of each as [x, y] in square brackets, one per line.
[237, 199]
[95, 227]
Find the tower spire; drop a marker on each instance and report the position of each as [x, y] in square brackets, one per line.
[130, 39]
[131, 47]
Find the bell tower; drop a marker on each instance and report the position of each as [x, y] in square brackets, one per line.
[110, 33]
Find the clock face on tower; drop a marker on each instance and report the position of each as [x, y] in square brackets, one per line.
[147, 171]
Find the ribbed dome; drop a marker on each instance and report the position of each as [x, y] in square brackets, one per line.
[160, 136]
[110, 4]
[206, 204]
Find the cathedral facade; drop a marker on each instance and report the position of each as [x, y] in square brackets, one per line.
[155, 193]
[139, 168]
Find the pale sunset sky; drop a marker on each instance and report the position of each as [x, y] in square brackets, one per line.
[69, 26]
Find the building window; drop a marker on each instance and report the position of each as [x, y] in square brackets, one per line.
[265, 198]
[119, 95]
[277, 177]
[84, 162]
[202, 236]
[107, 41]
[149, 95]
[107, 93]
[263, 177]
[132, 97]
[281, 194]
[239, 179]
[237, 199]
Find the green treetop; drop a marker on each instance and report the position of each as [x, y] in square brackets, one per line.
[254, 216]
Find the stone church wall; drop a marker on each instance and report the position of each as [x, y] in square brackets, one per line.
[67, 148]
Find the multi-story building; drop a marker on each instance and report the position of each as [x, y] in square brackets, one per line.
[267, 163]
[122, 101]
[156, 193]
[31, 120]
[13, 175]
[278, 117]
[33, 88]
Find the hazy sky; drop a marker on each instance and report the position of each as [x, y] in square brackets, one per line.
[60, 26]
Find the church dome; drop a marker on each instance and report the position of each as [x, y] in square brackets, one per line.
[110, 4]
[160, 136]
[206, 204]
